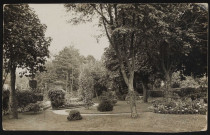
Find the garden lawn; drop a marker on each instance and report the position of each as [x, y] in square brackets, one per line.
[146, 122]
[120, 107]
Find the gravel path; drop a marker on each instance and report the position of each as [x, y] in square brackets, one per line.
[63, 112]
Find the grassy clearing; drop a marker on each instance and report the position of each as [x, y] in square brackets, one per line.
[146, 122]
[120, 107]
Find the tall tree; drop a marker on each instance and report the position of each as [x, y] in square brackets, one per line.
[24, 44]
[129, 27]
[67, 65]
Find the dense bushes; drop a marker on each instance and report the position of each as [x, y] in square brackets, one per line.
[33, 84]
[105, 105]
[109, 96]
[35, 107]
[5, 100]
[57, 98]
[156, 93]
[180, 107]
[26, 97]
[74, 115]
[193, 93]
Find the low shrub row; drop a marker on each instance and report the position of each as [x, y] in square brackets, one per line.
[180, 107]
[32, 107]
[26, 97]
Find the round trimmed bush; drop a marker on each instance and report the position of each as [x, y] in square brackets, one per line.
[105, 105]
[57, 98]
[74, 115]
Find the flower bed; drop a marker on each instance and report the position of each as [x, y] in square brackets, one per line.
[180, 107]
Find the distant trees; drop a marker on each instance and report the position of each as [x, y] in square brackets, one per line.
[67, 65]
[24, 44]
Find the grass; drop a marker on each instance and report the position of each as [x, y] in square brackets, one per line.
[120, 107]
[146, 122]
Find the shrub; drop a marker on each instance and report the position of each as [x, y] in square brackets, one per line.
[105, 105]
[57, 98]
[33, 84]
[180, 107]
[5, 100]
[156, 93]
[122, 97]
[74, 115]
[26, 97]
[109, 96]
[35, 107]
[175, 85]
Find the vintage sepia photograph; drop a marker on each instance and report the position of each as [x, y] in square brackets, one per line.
[126, 67]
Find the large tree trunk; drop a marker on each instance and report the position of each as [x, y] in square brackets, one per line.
[134, 113]
[168, 84]
[145, 94]
[13, 99]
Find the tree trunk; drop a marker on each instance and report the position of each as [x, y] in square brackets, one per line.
[168, 84]
[134, 113]
[145, 93]
[72, 82]
[96, 94]
[13, 99]
[67, 79]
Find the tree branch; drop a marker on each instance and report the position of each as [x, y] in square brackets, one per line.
[100, 13]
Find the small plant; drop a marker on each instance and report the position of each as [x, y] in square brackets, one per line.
[74, 115]
[109, 96]
[105, 105]
[57, 98]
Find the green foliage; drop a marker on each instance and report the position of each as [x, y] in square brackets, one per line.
[74, 115]
[5, 100]
[66, 67]
[33, 84]
[109, 96]
[25, 45]
[26, 97]
[193, 93]
[180, 107]
[135, 95]
[92, 81]
[57, 98]
[105, 105]
[35, 107]
[175, 85]
[156, 93]
[163, 33]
